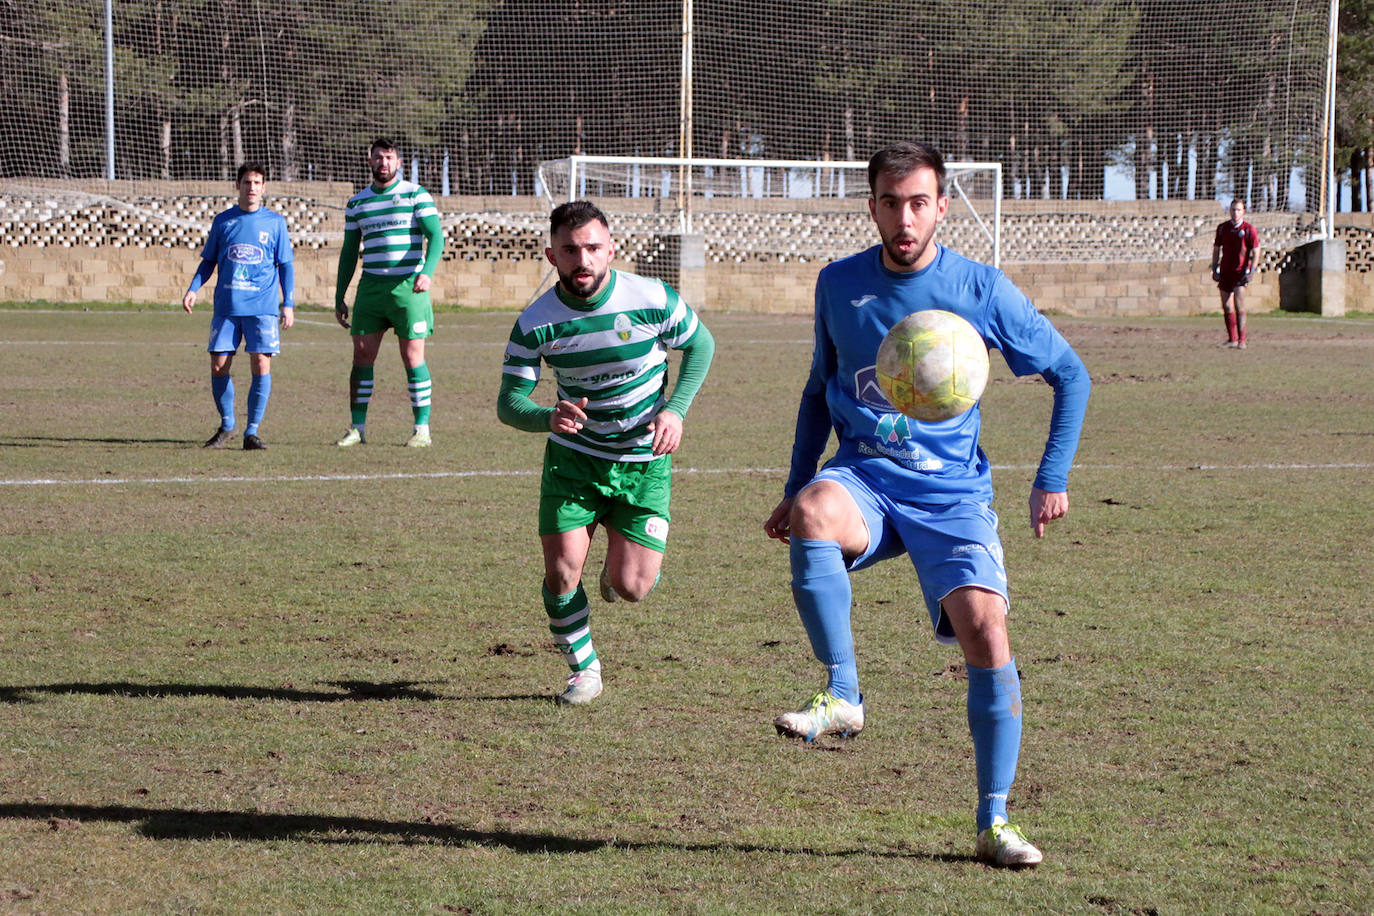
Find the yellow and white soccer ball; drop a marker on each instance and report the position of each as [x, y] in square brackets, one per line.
[932, 365]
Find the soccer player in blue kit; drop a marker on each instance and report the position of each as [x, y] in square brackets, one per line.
[250, 246]
[896, 485]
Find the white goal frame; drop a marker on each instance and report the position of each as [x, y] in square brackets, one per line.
[575, 169]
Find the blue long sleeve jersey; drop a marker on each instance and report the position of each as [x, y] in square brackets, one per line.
[857, 301]
[253, 254]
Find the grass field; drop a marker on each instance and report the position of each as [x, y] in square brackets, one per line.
[308, 680]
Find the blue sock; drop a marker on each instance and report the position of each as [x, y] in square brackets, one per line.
[258, 393]
[222, 387]
[994, 720]
[820, 586]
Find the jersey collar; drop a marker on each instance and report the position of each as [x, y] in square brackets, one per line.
[586, 305]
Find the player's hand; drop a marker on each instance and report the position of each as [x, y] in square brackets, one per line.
[341, 313]
[288, 318]
[1045, 507]
[779, 524]
[1216, 272]
[188, 301]
[667, 430]
[422, 282]
[568, 416]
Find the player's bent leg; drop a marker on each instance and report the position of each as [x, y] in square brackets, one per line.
[828, 529]
[631, 571]
[825, 510]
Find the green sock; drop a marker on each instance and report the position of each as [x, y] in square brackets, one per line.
[418, 381]
[569, 622]
[359, 393]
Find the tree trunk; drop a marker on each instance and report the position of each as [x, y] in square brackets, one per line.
[64, 125]
[164, 148]
[290, 170]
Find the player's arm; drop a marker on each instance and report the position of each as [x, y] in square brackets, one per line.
[433, 232]
[1030, 345]
[812, 431]
[286, 276]
[1216, 260]
[1251, 252]
[203, 272]
[348, 263]
[1049, 497]
[515, 407]
[697, 354]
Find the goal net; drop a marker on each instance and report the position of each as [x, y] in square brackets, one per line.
[1081, 101]
[765, 209]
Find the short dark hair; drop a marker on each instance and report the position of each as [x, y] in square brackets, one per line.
[902, 158]
[249, 167]
[575, 214]
[383, 143]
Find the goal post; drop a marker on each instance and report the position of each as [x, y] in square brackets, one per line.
[810, 205]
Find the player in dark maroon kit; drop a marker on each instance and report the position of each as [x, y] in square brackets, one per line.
[1234, 253]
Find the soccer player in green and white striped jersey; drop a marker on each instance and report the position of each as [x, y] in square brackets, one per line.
[396, 225]
[608, 459]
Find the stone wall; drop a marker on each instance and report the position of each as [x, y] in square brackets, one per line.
[137, 242]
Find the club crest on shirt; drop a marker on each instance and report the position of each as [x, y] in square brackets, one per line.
[622, 326]
[264, 237]
[867, 390]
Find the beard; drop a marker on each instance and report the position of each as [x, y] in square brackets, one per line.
[584, 287]
[909, 257]
[381, 177]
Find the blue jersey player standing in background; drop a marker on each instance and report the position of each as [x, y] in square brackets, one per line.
[250, 246]
[899, 486]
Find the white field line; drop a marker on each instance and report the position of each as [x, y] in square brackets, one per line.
[464, 475]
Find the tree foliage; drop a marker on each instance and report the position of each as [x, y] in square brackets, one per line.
[1189, 101]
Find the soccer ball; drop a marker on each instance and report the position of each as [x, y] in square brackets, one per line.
[932, 365]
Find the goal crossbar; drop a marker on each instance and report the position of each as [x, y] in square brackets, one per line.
[570, 175]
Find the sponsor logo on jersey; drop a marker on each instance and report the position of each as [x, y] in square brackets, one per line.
[862, 300]
[245, 253]
[892, 427]
[622, 326]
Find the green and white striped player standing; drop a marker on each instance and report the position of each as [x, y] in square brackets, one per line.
[396, 225]
[608, 459]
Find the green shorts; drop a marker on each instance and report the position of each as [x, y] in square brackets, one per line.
[391, 302]
[630, 497]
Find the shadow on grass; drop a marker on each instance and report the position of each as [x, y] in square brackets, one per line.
[190, 824]
[16, 441]
[348, 691]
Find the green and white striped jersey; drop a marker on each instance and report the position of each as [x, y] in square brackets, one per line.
[612, 350]
[389, 223]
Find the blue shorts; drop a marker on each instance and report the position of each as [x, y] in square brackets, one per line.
[951, 546]
[258, 333]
